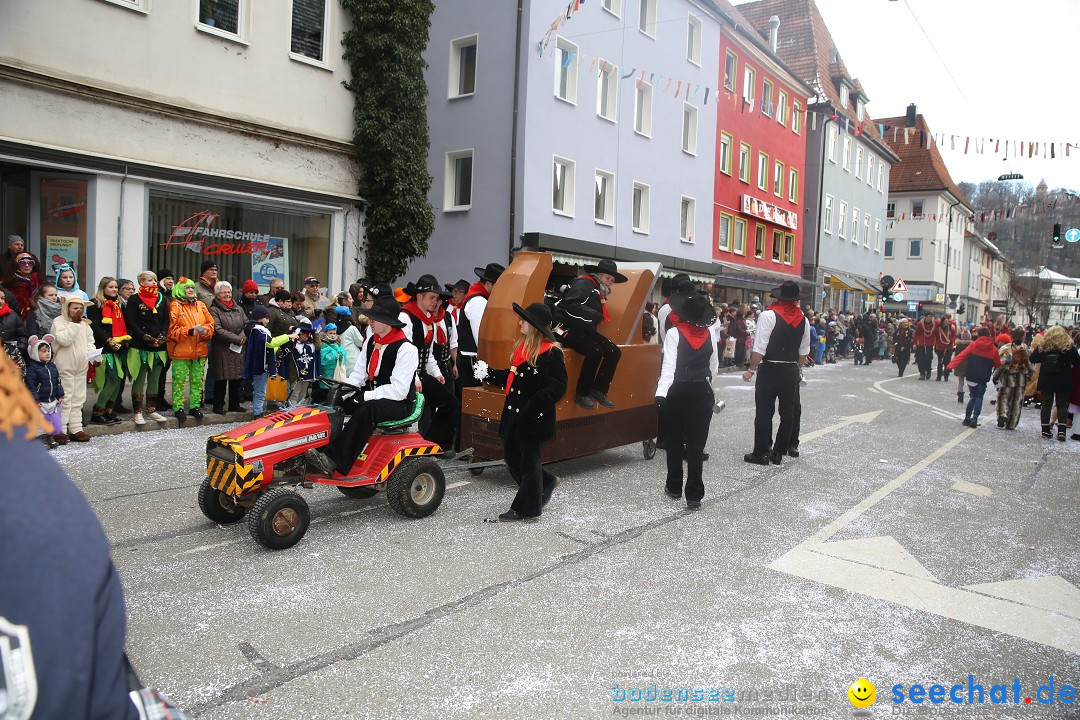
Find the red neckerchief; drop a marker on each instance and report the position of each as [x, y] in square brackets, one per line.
[453, 310]
[391, 337]
[789, 310]
[227, 303]
[113, 314]
[519, 358]
[603, 300]
[4, 307]
[477, 288]
[431, 323]
[149, 296]
[694, 334]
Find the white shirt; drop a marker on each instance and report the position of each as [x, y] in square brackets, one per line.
[661, 318]
[671, 351]
[401, 380]
[475, 312]
[765, 323]
[431, 367]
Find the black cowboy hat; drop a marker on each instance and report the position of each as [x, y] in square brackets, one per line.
[608, 267]
[385, 310]
[539, 316]
[790, 290]
[694, 308]
[426, 283]
[379, 290]
[459, 285]
[490, 273]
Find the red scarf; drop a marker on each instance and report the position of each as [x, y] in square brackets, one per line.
[520, 358]
[477, 288]
[789, 310]
[430, 322]
[4, 308]
[227, 303]
[391, 337]
[149, 296]
[603, 300]
[694, 335]
[113, 314]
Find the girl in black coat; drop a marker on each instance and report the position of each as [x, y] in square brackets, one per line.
[534, 384]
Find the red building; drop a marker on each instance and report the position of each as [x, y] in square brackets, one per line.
[759, 202]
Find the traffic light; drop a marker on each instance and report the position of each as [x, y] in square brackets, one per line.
[1056, 237]
[961, 309]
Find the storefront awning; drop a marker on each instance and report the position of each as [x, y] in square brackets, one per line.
[581, 260]
[839, 281]
[865, 288]
[739, 277]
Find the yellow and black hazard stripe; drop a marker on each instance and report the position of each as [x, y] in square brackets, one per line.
[279, 423]
[402, 454]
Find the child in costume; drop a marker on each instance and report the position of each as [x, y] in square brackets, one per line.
[148, 326]
[333, 358]
[260, 361]
[43, 379]
[306, 363]
[74, 350]
[190, 328]
[67, 282]
[111, 335]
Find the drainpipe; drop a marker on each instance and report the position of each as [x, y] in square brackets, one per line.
[821, 198]
[514, 135]
[948, 257]
[120, 223]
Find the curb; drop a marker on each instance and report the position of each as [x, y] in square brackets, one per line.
[171, 423]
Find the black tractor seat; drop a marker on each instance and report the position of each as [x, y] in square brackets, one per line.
[400, 427]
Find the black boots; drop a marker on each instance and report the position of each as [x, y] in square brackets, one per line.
[960, 397]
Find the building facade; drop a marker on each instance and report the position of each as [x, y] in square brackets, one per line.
[214, 129]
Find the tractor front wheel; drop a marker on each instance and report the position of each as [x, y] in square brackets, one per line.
[416, 487]
[218, 506]
[279, 518]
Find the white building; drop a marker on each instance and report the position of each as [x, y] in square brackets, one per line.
[121, 119]
[1057, 296]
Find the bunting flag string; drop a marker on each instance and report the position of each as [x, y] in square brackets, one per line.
[571, 8]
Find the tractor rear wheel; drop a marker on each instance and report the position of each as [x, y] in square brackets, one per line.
[218, 506]
[279, 518]
[416, 487]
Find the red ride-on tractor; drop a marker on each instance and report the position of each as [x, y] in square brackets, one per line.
[254, 469]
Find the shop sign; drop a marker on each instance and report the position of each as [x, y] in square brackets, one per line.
[59, 210]
[769, 212]
[195, 232]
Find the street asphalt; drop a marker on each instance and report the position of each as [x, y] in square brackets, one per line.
[901, 547]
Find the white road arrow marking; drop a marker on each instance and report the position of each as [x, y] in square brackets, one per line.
[851, 420]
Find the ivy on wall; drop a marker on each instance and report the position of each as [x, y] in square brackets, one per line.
[385, 52]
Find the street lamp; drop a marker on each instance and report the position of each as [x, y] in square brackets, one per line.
[1010, 176]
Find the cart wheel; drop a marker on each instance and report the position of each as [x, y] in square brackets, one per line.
[218, 506]
[416, 487]
[476, 472]
[363, 492]
[648, 449]
[279, 519]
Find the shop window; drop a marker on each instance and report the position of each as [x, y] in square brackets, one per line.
[64, 225]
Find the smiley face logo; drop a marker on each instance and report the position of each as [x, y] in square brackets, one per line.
[862, 693]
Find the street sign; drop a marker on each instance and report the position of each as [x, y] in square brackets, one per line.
[899, 286]
[1072, 235]
[912, 306]
[1001, 303]
[940, 297]
[898, 297]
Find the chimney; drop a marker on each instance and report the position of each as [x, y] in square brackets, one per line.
[912, 111]
[774, 27]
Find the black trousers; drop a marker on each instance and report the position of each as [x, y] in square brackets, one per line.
[944, 357]
[440, 409]
[796, 420]
[777, 385]
[219, 392]
[687, 414]
[465, 380]
[346, 447]
[924, 358]
[522, 457]
[601, 359]
[902, 357]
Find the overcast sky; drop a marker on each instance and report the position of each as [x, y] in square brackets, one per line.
[1015, 63]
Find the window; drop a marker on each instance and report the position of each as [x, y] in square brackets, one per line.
[462, 81]
[778, 178]
[731, 64]
[781, 109]
[866, 231]
[777, 245]
[766, 98]
[793, 185]
[138, 5]
[763, 171]
[725, 153]
[832, 133]
[748, 81]
[604, 198]
[877, 236]
[759, 241]
[309, 21]
[855, 225]
[562, 187]
[739, 243]
[888, 248]
[723, 240]
[890, 210]
[841, 226]
[869, 169]
[914, 248]
[796, 119]
[640, 220]
[917, 208]
[847, 153]
[643, 109]
[689, 128]
[744, 162]
[647, 17]
[687, 208]
[224, 16]
[566, 70]
[613, 6]
[607, 87]
[459, 172]
[827, 220]
[843, 95]
[880, 176]
[858, 161]
[789, 249]
[693, 39]
[859, 107]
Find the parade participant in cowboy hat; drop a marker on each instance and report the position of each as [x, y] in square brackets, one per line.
[425, 323]
[923, 339]
[457, 299]
[1011, 378]
[148, 327]
[781, 346]
[188, 341]
[982, 358]
[43, 380]
[681, 286]
[534, 384]
[686, 394]
[580, 311]
[74, 345]
[111, 335]
[387, 372]
[902, 340]
[470, 317]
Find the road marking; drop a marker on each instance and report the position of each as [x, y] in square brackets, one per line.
[204, 548]
[901, 398]
[946, 415]
[865, 418]
[1052, 592]
[880, 552]
[971, 488]
[458, 484]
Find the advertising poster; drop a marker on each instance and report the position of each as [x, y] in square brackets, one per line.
[60, 249]
[271, 262]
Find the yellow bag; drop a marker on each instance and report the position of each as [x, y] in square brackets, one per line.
[277, 389]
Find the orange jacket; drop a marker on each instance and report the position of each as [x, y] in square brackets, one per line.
[183, 316]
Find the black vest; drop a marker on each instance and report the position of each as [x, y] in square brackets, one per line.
[388, 355]
[466, 343]
[785, 340]
[691, 364]
[442, 352]
[418, 333]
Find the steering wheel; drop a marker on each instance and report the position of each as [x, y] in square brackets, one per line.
[337, 388]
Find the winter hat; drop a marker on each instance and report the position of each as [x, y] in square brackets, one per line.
[165, 273]
[206, 265]
[259, 312]
[966, 335]
[13, 239]
[181, 285]
[1003, 339]
[342, 310]
[330, 327]
[67, 266]
[249, 286]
